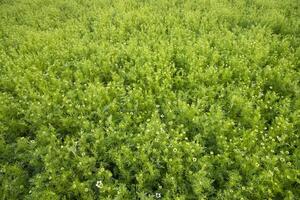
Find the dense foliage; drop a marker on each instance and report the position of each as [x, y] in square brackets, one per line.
[158, 99]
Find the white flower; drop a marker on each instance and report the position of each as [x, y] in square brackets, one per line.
[157, 195]
[194, 159]
[99, 184]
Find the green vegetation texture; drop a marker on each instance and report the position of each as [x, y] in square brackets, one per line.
[149, 99]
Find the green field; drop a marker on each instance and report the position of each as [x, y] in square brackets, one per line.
[149, 99]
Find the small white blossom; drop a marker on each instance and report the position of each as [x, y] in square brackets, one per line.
[157, 195]
[99, 184]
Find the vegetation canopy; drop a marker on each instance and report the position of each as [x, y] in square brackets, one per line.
[149, 99]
